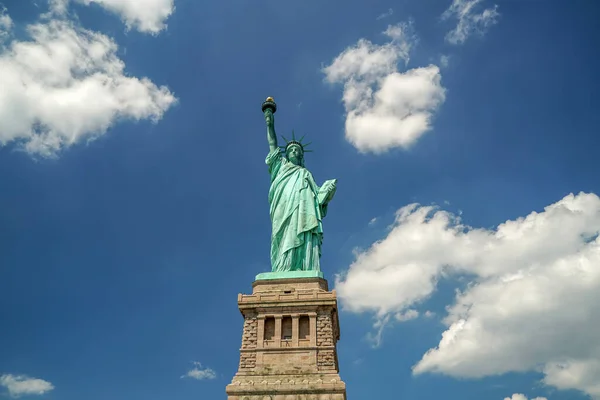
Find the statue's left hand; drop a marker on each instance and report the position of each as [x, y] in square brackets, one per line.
[330, 186]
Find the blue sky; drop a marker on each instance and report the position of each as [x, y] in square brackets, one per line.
[462, 241]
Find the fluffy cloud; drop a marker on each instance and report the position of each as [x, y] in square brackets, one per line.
[200, 373]
[147, 16]
[581, 373]
[22, 385]
[530, 306]
[518, 396]
[143, 15]
[385, 108]
[5, 20]
[469, 20]
[5, 24]
[66, 85]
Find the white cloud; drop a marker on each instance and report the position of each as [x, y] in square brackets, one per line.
[385, 108]
[5, 20]
[530, 306]
[469, 20]
[200, 373]
[582, 373]
[143, 15]
[20, 385]
[67, 85]
[518, 396]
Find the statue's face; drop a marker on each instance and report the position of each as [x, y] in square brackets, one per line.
[295, 155]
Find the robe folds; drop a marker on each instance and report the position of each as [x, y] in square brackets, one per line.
[296, 216]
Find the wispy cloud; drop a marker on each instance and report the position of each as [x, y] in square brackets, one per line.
[21, 385]
[386, 14]
[407, 315]
[519, 396]
[471, 19]
[444, 61]
[199, 373]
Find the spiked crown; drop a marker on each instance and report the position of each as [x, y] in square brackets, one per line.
[297, 142]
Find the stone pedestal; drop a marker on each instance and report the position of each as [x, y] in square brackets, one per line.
[288, 351]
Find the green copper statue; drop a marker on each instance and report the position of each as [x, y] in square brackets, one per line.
[297, 205]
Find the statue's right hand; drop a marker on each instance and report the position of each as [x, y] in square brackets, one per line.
[269, 117]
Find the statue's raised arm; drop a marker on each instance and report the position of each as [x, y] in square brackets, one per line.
[269, 107]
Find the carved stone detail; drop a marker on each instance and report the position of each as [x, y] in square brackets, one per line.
[247, 360]
[326, 360]
[249, 336]
[325, 329]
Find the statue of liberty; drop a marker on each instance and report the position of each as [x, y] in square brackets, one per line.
[297, 204]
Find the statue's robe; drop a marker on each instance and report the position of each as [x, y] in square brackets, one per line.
[295, 215]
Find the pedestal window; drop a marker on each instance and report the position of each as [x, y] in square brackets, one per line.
[269, 328]
[304, 328]
[286, 328]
